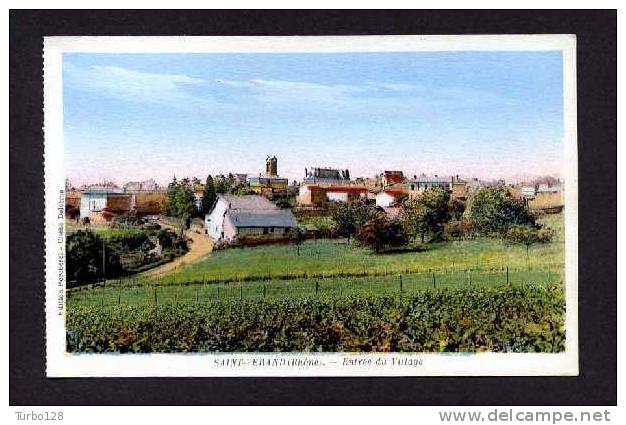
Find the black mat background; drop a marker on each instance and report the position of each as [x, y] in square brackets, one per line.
[597, 126]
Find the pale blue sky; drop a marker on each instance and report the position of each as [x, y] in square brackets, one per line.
[489, 114]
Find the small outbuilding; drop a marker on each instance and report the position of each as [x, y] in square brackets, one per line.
[391, 197]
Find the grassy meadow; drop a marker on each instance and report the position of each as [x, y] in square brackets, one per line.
[326, 258]
[337, 257]
[307, 288]
[335, 268]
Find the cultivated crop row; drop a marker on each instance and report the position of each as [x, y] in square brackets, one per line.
[514, 318]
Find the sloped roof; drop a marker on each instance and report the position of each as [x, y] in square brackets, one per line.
[397, 187]
[249, 203]
[104, 191]
[430, 179]
[395, 192]
[267, 218]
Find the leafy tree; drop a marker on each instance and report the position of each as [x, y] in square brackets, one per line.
[242, 190]
[221, 184]
[494, 210]
[283, 203]
[549, 180]
[350, 216]
[84, 258]
[426, 214]
[298, 236]
[208, 196]
[412, 219]
[172, 184]
[528, 236]
[170, 240]
[180, 202]
[379, 233]
[456, 208]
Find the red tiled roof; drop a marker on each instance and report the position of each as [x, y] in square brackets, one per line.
[394, 176]
[396, 191]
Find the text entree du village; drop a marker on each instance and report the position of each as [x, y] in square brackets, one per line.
[348, 361]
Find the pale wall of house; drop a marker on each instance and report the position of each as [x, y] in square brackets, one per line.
[384, 200]
[230, 231]
[214, 222]
[260, 233]
[337, 196]
[91, 203]
[309, 197]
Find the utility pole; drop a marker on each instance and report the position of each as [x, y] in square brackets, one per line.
[104, 276]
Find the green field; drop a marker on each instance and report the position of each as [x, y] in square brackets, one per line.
[336, 258]
[336, 268]
[306, 288]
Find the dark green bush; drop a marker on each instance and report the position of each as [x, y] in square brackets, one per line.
[84, 258]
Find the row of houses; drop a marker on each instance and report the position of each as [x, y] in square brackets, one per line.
[256, 218]
[391, 188]
[101, 204]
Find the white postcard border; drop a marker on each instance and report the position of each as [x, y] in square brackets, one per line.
[62, 364]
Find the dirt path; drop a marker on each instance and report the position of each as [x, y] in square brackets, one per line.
[200, 246]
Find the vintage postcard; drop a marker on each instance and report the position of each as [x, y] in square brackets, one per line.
[311, 206]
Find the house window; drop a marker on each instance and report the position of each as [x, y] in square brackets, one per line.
[265, 230]
[271, 230]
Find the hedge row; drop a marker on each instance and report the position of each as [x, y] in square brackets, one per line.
[507, 319]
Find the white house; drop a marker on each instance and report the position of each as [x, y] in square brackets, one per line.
[249, 217]
[96, 201]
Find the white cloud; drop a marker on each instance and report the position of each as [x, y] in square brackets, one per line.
[316, 92]
[182, 91]
[291, 90]
[133, 86]
[385, 94]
